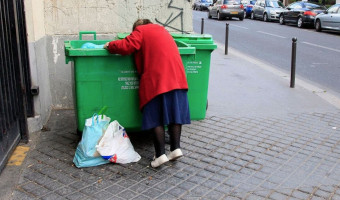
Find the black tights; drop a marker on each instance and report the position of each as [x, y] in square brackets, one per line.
[159, 138]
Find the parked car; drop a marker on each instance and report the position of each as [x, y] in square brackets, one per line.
[249, 8]
[267, 10]
[226, 9]
[330, 19]
[301, 13]
[202, 4]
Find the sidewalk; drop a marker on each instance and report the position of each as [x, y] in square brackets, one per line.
[260, 140]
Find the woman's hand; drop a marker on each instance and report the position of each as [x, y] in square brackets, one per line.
[106, 46]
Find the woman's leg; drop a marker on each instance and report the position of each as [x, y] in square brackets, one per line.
[159, 140]
[175, 136]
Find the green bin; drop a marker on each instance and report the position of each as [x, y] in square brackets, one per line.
[103, 79]
[197, 71]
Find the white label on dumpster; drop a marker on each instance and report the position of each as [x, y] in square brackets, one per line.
[128, 72]
[129, 82]
[193, 67]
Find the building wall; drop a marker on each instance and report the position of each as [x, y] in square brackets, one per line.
[51, 22]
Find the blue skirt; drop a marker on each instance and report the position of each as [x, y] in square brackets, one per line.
[168, 108]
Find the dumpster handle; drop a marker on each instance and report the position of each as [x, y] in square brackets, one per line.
[87, 32]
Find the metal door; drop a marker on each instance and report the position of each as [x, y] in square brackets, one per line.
[13, 64]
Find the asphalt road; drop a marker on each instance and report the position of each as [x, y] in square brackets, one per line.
[318, 53]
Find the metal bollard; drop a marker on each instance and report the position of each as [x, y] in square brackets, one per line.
[202, 25]
[226, 39]
[293, 64]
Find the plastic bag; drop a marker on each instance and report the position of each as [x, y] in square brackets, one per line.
[89, 45]
[86, 153]
[115, 146]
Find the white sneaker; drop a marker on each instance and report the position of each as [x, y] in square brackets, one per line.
[159, 161]
[173, 155]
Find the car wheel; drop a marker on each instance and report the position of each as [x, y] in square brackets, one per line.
[265, 17]
[318, 25]
[219, 16]
[252, 15]
[282, 20]
[300, 22]
[241, 18]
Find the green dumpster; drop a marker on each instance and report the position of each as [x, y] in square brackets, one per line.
[103, 79]
[197, 71]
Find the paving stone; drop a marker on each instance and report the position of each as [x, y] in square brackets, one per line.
[218, 178]
[210, 183]
[127, 194]
[182, 175]
[140, 188]
[22, 195]
[77, 195]
[223, 188]
[196, 179]
[52, 196]
[115, 189]
[102, 195]
[253, 197]
[152, 193]
[38, 178]
[187, 185]
[173, 181]
[65, 191]
[300, 195]
[322, 194]
[54, 185]
[30, 186]
[278, 196]
[164, 197]
[177, 192]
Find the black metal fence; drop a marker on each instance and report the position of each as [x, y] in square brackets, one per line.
[14, 78]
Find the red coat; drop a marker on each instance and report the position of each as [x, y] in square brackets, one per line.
[157, 59]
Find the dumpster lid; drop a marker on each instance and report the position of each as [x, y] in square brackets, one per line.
[194, 38]
[73, 48]
[187, 38]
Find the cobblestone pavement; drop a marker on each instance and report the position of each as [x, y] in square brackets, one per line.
[291, 157]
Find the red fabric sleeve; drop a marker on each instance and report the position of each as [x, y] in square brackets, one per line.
[128, 45]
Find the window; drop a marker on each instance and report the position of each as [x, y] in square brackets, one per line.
[230, 2]
[333, 9]
[273, 4]
[313, 6]
[295, 6]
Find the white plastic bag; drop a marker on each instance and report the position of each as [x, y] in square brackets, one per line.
[116, 146]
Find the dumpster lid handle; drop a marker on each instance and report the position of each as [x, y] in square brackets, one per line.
[81, 33]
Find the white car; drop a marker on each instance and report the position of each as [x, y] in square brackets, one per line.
[267, 10]
[330, 19]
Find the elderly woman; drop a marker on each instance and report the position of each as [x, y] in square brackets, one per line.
[163, 85]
